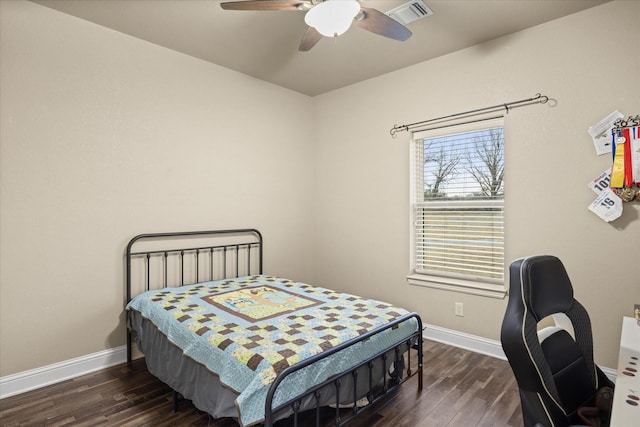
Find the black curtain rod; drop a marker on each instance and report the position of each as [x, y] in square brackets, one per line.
[537, 99]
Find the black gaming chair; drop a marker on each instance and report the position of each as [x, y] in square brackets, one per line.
[555, 372]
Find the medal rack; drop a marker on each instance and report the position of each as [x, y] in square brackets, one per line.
[625, 171]
[620, 183]
[629, 122]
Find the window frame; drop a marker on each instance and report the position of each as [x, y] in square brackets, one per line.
[494, 288]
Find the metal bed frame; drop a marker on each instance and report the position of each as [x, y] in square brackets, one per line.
[239, 252]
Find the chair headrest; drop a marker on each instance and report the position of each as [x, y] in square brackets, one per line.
[546, 288]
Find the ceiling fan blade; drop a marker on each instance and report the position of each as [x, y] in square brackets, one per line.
[311, 37]
[377, 22]
[263, 5]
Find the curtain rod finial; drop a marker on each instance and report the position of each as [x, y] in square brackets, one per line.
[396, 128]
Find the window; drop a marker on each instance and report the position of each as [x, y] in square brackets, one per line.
[458, 209]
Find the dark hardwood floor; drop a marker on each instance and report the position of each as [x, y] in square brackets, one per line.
[461, 388]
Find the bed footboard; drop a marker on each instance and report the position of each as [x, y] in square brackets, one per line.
[376, 390]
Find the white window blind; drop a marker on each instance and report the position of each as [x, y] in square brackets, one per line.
[459, 203]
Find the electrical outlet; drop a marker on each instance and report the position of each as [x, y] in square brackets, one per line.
[460, 309]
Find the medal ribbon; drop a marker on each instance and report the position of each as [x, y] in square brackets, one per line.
[617, 170]
[628, 170]
[635, 153]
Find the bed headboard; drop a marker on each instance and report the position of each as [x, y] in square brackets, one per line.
[160, 260]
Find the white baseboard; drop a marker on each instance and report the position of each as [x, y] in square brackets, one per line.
[469, 342]
[610, 373]
[22, 382]
[480, 345]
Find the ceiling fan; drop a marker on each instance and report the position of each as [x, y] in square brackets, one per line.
[329, 18]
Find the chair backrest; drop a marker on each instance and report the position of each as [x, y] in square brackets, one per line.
[555, 371]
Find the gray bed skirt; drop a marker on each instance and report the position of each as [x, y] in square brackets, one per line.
[198, 384]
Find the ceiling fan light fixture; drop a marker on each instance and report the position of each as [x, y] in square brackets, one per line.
[332, 18]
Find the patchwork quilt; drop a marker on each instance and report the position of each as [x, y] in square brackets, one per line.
[249, 329]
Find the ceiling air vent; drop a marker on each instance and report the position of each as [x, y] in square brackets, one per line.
[410, 12]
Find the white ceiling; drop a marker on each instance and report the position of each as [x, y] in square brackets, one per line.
[265, 44]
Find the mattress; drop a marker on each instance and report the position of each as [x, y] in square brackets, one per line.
[245, 331]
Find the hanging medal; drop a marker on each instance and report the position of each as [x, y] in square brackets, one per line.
[617, 170]
[635, 154]
[627, 193]
[635, 158]
[628, 170]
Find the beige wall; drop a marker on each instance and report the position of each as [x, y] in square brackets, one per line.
[104, 136]
[584, 61]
